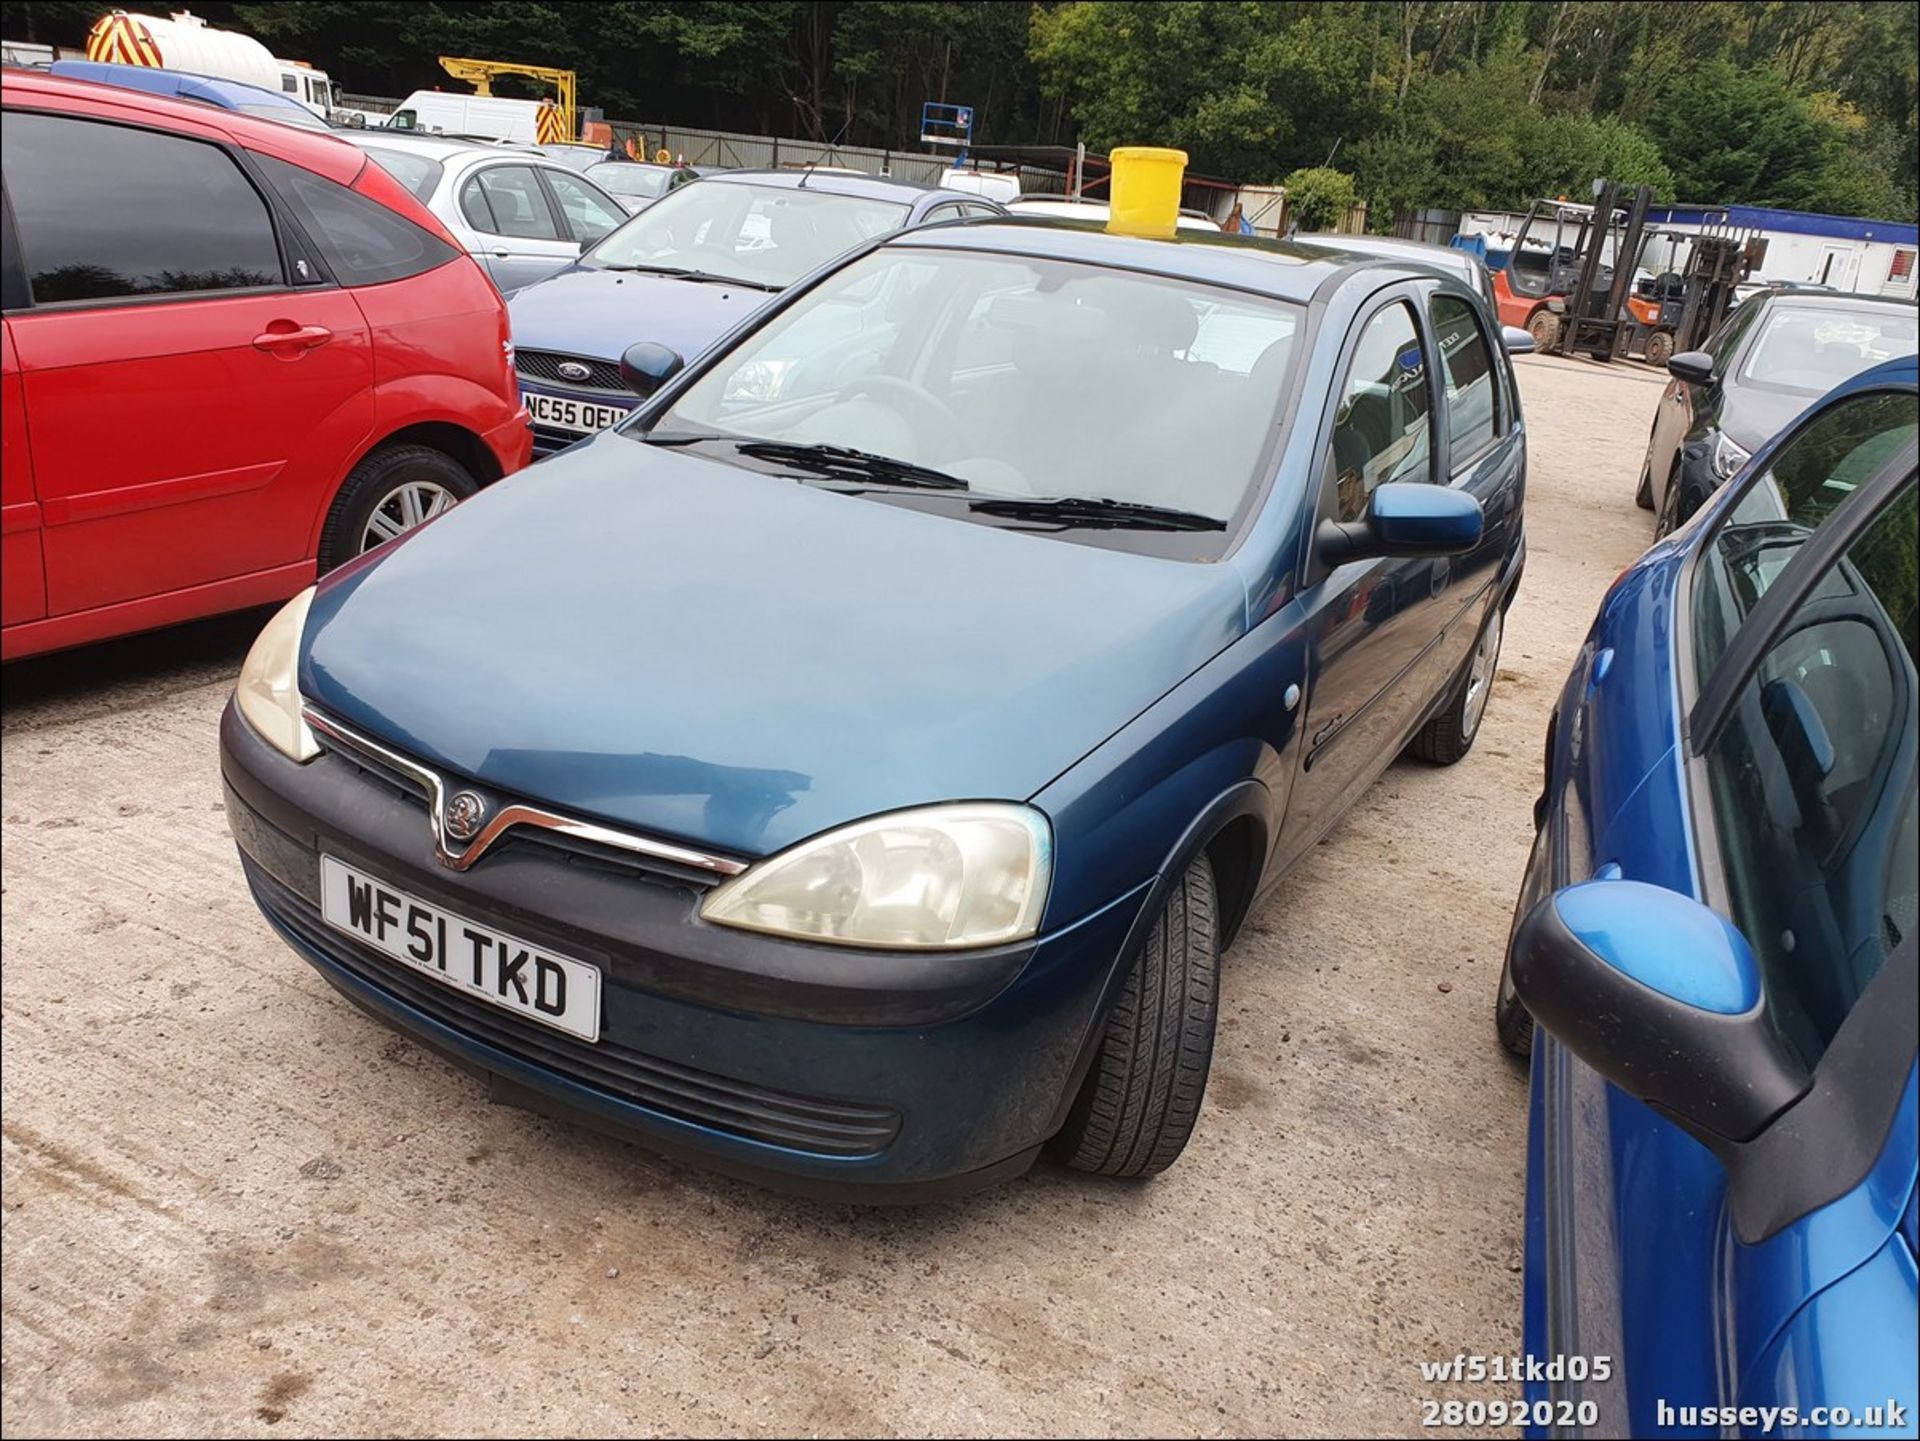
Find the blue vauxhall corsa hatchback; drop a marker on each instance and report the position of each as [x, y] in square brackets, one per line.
[1716, 938]
[852, 783]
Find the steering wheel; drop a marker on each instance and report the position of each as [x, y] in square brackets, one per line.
[928, 405]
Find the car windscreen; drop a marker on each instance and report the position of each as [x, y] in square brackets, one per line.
[1810, 349]
[639, 182]
[417, 172]
[762, 234]
[1023, 377]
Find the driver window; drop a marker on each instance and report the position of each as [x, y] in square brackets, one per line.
[1381, 429]
[1812, 782]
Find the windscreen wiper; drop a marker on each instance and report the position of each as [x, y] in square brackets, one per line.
[1095, 511]
[682, 272]
[839, 462]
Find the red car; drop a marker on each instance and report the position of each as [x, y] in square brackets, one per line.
[236, 354]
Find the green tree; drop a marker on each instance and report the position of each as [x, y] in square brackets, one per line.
[1319, 198]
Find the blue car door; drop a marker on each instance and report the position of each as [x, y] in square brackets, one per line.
[1784, 1277]
[1371, 622]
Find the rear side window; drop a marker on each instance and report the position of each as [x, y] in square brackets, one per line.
[1466, 365]
[362, 241]
[1381, 430]
[107, 211]
[507, 200]
[589, 213]
[417, 172]
[1812, 782]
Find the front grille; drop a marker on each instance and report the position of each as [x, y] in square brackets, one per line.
[568, 850]
[544, 365]
[756, 1113]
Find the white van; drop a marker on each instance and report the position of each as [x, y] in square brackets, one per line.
[438, 112]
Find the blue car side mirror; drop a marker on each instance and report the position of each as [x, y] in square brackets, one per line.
[1404, 519]
[648, 365]
[1662, 997]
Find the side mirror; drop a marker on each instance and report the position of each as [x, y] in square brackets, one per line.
[648, 365]
[1517, 341]
[1693, 366]
[1662, 997]
[1404, 519]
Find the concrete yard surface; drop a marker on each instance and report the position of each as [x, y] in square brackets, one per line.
[234, 1205]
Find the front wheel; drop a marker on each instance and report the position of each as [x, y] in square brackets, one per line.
[386, 495]
[1139, 1103]
[1660, 348]
[1449, 735]
[1544, 327]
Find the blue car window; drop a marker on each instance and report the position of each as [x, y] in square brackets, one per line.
[1808, 477]
[1381, 430]
[1813, 786]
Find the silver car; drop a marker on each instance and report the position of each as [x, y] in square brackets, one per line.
[520, 214]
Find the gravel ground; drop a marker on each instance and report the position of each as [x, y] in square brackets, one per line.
[233, 1205]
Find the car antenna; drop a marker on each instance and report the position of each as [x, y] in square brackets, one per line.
[829, 150]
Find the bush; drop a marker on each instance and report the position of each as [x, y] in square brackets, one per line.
[1319, 198]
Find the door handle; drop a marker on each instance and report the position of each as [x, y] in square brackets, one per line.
[283, 337]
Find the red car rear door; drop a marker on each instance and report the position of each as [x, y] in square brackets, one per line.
[193, 392]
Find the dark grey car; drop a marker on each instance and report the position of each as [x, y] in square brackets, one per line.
[1772, 357]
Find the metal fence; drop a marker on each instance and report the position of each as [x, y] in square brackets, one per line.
[1436, 227]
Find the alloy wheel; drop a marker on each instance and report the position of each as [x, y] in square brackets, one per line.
[403, 508]
[1486, 656]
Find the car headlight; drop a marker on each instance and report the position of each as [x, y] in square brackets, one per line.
[267, 693]
[935, 878]
[1727, 458]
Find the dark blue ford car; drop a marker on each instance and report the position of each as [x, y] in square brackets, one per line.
[1716, 938]
[853, 781]
[692, 266]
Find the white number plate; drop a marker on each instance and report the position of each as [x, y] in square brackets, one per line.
[575, 415]
[475, 960]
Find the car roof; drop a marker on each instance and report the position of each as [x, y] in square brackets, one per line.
[322, 152]
[1277, 268]
[1447, 256]
[1831, 300]
[156, 80]
[434, 147]
[829, 182]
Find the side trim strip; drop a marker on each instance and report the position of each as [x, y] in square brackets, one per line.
[513, 815]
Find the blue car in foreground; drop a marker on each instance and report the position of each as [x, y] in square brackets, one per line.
[853, 782]
[1716, 940]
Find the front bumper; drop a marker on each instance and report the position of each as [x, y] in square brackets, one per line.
[851, 1074]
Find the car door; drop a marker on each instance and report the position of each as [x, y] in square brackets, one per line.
[174, 378]
[1484, 455]
[586, 212]
[1639, 1264]
[23, 590]
[520, 234]
[1369, 622]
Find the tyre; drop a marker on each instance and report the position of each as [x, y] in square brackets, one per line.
[1138, 1104]
[1643, 497]
[1513, 1021]
[387, 494]
[1449, 735]
[1660, 348]
[1544, 327]
[1670, 519]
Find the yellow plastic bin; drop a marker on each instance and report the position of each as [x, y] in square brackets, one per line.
[1146, 190]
